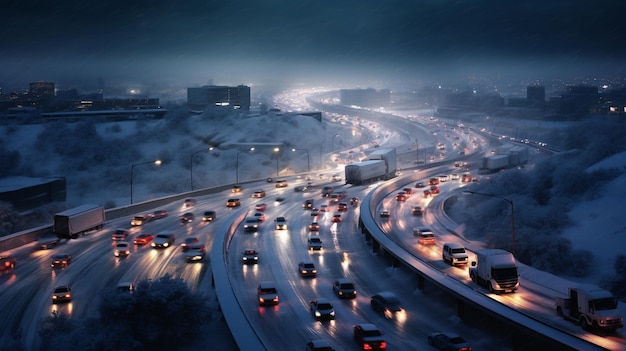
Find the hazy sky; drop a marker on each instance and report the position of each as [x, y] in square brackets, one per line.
[240, 41]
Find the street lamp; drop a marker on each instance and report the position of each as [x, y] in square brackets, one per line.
[510, 202]
[191, 164]
[156, 163]
[276, 150]
[237, 164]
[308, 160]
[417, 152]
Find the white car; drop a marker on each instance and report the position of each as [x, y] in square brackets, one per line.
[454, 253]
[122, 249]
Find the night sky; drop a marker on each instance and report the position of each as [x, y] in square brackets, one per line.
[235, 42]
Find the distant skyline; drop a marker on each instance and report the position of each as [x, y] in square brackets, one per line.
[361, 42]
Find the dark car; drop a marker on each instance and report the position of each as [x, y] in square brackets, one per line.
[417, 210]
[344, 288]
[190, 202]
[267, 294]
[209, 216]
[7, 263]
[448, 342]
[120, 234]
[233, 203]
[251, 224]
[321, 308]
[61, 260]
[158, 214]
[387, 304]
[250, 256]
[61, 294]
[318, 345]
[196, 252]
[307, 269]
[186, 245]
[280, 223]
[141, 219]
[187, 218]
[369, 337]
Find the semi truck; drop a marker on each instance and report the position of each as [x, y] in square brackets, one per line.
[496, 269]
[381, 164]
[364, 172]
[505, 158]
[591, 307]
[72, 223]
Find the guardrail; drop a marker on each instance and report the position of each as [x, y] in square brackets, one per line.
[549, 336]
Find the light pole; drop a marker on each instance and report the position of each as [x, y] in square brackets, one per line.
[276, 150]
[308, 160]
[156, 163]
[417, 152]
[191, 164]
[237, 164]
[510, 202]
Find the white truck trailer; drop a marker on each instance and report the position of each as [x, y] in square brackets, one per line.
[74, 222]
[591, 307]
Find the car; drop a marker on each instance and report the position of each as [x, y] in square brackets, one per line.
[260, 216]
[448, 342]
[417, 210]
[314, 227]
[308, 204]
[434, 190]
[44, 243]
[433, 181]
[408, 191]
[62, 293]
[426, 239]
[336, 218]
[163, 240]
[427, 193]
[267, 294]
[315, 212]
[281, 184]
[250, 256]
[122, 249]
[466, 178]
[143, 239]
[307, 269]
[315, 242]
[258, 194]
[236, 189]
[344, 288]
[7, 263]
[61, 260]
[189, 202]
[454, 253]
[319, 345]
[454, 176]
[233, 203]
[141, 220]
[120, 234]
[158, 214]
[125, 287]
[251, 224]
[324, 208]
[387, 304]
[385, 214]
[354, 201]
[420, 185]
[322, 308]
[300, 188]
[196, 252]
[209, 216]
[327, 191]
[279, 200]
[261, 207]
[188, 242]
[280, 223]
[342, 207]
[336, 178]
[401, 196]
[187, 218]
[335, 198]
[369, 337]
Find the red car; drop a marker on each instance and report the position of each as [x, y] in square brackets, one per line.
[261, 207]
[143, 239]
[158, 214]
[337, 218]
[7, 263]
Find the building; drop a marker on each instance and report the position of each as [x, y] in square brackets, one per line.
[536, 95]
[212, 95]
[41, 90]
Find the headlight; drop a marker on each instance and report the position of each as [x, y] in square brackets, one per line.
[317, 314]
[166, 244]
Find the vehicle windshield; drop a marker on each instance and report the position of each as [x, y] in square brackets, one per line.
[268, 291]
[607, 303]
[324, 306]
[458, 251]
[457, 340]
[504, 273]
[347, 286]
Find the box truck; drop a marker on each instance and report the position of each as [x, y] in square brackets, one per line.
[72, 223]
[496, 269]
[591, 307]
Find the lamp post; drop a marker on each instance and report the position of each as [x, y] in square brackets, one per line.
[276, 151]
[237, 165]
[308, 160]
[510, 202]
[417, 152]
[156, 163]
[191, 164]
